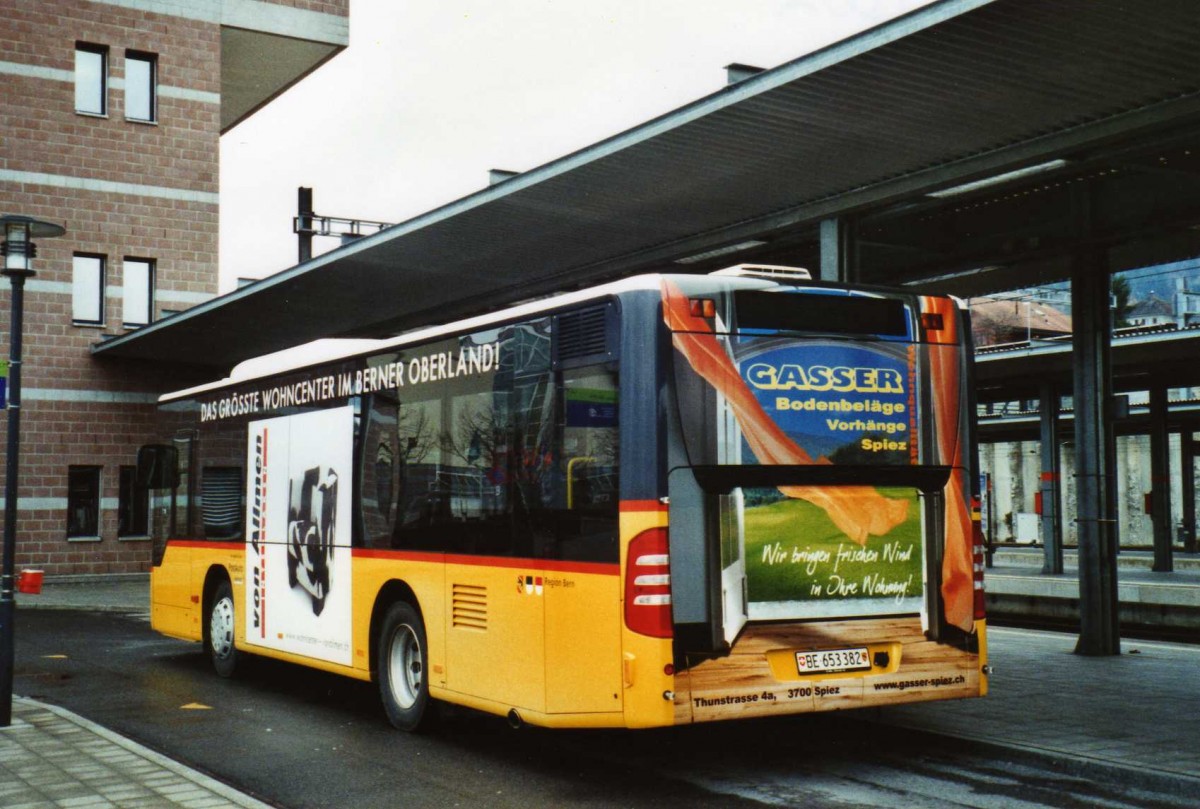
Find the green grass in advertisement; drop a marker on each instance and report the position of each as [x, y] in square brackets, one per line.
[795, 553]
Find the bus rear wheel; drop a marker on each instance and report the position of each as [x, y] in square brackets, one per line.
[218, 640]
[401, 666]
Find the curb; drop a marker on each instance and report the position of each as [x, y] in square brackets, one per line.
[1176, 784]
[199, 779]
[115, 609]
[95, 578]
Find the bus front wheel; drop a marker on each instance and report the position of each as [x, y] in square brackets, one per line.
[401, 667]
[219, 638]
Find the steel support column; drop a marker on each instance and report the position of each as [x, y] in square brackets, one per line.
[1049, 487]
[11, 469]
[1187, 455]
[837, 251]
[304, 231]
[1160, 480]
[1099, 632]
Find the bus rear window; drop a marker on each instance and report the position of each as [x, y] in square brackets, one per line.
[825, 314]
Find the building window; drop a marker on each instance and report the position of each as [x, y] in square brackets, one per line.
[133, 505]
[138, 307]
[91, 79]
[83, 502]
[141, 86]
[87, 289]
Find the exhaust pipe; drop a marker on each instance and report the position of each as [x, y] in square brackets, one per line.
[514, 720]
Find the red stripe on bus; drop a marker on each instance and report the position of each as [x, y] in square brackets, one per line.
[602, 568]
[204, 543]
[407, 556]
[556, 565]
[642, 505]
[609, 568]
[261, 571]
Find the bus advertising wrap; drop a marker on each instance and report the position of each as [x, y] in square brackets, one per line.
[815, 550]
[298, 538]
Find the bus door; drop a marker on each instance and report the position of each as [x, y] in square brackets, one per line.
[709, 595]
[734, 593]
[158, 474]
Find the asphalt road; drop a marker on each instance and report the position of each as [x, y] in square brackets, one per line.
[297, 738]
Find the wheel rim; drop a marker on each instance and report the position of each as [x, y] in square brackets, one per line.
[220, 628]
[406, 666]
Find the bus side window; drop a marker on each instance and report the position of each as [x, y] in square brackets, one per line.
[420, 498]
[182, 521]
[478, 454]
[382, 462]
[588, 451]
[519, 461]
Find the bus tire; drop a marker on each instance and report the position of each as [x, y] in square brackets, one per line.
[218, 637]
[402, 669]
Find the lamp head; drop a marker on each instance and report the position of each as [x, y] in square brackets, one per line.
[18, 247]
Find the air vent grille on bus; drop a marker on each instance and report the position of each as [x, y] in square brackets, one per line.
[775, 272]
[222, 501]
[468, 607]
[582, 333]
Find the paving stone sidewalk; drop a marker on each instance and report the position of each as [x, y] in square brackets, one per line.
[1135, 711]
[51, 758]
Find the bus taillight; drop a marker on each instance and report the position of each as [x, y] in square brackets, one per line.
[648, 584]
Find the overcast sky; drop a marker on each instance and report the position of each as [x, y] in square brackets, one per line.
[431, 94]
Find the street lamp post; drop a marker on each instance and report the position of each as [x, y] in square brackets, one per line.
[18, 251]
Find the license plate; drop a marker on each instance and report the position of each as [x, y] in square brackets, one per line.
[828, 660]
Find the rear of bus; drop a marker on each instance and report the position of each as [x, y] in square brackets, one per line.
[819, 551]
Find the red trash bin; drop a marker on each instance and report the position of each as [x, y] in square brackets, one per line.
[29, 581]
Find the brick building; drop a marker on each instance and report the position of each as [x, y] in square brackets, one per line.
[110, 120]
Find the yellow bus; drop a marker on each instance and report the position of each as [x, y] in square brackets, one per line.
[666, 500]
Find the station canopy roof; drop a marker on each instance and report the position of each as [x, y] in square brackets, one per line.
[955, 92]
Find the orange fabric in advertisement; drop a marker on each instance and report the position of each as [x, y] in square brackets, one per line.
[958, 586]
